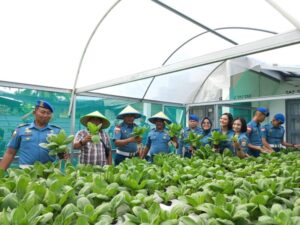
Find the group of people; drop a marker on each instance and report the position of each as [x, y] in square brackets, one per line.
[251, 138]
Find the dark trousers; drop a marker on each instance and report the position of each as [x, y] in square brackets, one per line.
[120, 158]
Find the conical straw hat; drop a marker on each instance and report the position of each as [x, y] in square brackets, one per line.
[129, 111]
[161, 116]
[105, 122]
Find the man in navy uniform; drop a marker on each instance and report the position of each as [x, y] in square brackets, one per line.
[273, 134]
[26, 138]
[158, 138]
[255, 144]
[193, 126]
[126, 144]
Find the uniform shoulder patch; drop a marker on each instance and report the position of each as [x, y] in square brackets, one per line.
[23, 125]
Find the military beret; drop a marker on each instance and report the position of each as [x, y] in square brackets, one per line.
[263, 110]
[194, 117]
[279, 117]
[44, 104]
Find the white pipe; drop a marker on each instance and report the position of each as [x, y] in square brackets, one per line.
[284, 13]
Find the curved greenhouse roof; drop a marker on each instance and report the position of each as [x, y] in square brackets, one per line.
[153, 50]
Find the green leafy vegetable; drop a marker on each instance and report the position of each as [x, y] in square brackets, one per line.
[139, 131]
[235, 138]
[58, 143]
[194, 139]
[173, 129]
[94, 131]
[217, 137]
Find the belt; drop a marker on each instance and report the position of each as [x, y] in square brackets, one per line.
[275, 145]
[128, 154]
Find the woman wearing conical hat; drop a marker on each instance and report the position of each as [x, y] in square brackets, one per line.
[158, 138]
[94, 152]
[126, 144]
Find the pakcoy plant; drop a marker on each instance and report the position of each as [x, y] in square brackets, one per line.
[194, 139]
[138, 132]
[174, 129]
[217, 138]
[58, 143]
[94, 131]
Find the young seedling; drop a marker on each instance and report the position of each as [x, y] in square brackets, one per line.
[216, 139]
[194, 140]
[138, 132]
[173, 129]
[94, 131]
[58, 143]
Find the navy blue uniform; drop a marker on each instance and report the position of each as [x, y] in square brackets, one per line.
[254, 135]
[26, 139]
[243, 141]
[206, 135]
[123, 131]
[273, 135]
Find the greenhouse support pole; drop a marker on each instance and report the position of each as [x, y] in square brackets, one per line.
[284, 13]
[73, 119]
[216, 115]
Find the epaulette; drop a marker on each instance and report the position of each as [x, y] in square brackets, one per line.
[55, 126]
[23, 125]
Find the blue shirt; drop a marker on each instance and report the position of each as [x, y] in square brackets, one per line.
[184, 135]
[123, 131]
[206, 135]
[254, 135]
[243, 141]
[158, 141]
[228, 142]
[26, 139]
[273, 135]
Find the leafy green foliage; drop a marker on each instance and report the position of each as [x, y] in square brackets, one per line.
[58, 143]
[139, 131]
[216, 190]
[235, 138]
[194, 139]
[217, 137]
[94, 131]
[174, 129]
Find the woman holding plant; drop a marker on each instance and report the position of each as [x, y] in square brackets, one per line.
[158, 138]
[240, 139]
[225, 129]
[93, 141]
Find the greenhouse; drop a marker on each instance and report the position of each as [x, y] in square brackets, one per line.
[178, 58]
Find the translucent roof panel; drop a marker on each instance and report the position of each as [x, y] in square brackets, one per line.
[132, 89]
[137, 36]
[180, 86]
[252, 13]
